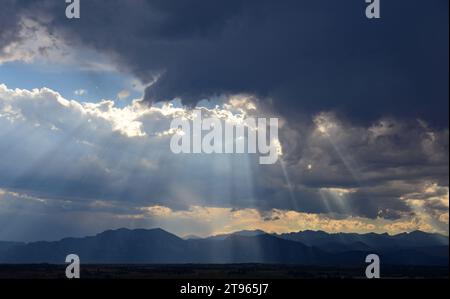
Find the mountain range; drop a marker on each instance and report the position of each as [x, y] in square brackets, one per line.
[157, 246]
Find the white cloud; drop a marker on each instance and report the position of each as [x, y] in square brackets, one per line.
[99, 144]
[74, 154]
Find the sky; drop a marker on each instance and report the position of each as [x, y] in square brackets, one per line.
[86, 106]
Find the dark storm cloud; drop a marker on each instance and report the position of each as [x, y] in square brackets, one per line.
[304, 55]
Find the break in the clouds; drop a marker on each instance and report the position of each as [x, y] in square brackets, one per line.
[304, 56]
[98, 158]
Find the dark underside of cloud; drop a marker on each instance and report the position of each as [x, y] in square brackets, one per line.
[303, 56]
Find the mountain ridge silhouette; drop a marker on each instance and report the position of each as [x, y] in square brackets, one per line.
[157, 246]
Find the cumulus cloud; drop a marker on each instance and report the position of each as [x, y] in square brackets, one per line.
[95, 156]
[69, 148]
